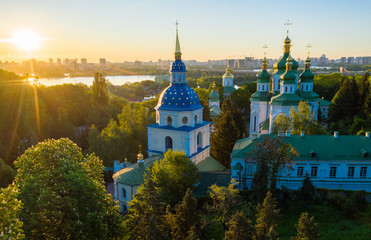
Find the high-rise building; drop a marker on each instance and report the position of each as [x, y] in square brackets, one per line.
[84, 61]
[102, 61]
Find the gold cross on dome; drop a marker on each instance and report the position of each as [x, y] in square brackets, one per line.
[288, 24]
[265, 50]
[308, 47]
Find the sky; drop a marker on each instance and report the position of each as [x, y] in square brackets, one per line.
[129, 30]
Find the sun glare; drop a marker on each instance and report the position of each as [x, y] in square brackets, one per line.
[26, 40]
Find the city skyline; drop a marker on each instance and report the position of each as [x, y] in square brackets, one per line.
[144, 30]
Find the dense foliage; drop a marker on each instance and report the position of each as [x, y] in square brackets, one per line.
[173, 175]
[63, 194]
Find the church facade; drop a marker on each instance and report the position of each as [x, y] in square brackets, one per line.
[179, 121]
[278, 93]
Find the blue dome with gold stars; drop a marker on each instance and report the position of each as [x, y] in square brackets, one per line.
[178, 66]
[179, 97]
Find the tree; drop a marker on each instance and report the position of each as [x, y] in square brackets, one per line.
[302, 120]
[63, 194]
[307, 190]
[281, 123]
[186, 216]
[145, 216]
[10, 207]
[346, 101]
[364, 92]
[173, 175]
[239, 228]
[307, 228]
[274, 154]
[267, 219]
[99, 89]
[226, 134]
[7, 174]
[222, 200]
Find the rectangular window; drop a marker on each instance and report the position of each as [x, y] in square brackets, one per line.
[350, 172]
[313, 172]
[123, 193]
[332, 172]
[300, 171]
[363, 173]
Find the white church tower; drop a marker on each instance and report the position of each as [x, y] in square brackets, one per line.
[228, 83]
[260, 103]
[179, 123]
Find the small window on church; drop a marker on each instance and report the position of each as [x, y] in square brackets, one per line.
[254, 127]
[168, 143]
[169, 121]
[291, 89]
[185, 120]
[263, 87]
[199, 140]
[279, 81]
[196, 119]
[285, 89]
[123, 193]
[307, 87]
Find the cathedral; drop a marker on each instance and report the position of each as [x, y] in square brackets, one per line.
[278, 94]
[179, 121]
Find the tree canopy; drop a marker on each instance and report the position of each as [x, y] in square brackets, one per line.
[173, 175]
[63, 194]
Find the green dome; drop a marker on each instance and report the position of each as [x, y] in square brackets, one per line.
[288, 77]
[264, 77]
[214, 96]
[280, 66]
[306, 76]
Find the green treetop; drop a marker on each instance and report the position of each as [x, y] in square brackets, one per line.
[63, 194]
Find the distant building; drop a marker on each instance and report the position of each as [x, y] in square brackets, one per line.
[231, 63]
[50, 60]
[343, 60]
[323, 60]
[137, 63]
[84, 61]
[228, 83]
[102, 61]
[59, 61]
[350, 60]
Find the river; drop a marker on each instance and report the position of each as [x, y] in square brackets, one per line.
[115, 80]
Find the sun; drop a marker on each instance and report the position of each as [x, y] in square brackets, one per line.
[26, 40]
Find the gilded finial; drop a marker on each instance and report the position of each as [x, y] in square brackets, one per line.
[140, 155]
[178, 53]
[214, 86]
[289, 63]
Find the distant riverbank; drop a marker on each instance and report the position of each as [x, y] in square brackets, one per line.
[115, 80]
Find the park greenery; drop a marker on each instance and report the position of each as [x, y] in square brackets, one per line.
[54, 189]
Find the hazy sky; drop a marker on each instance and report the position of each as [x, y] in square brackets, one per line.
[120, 30]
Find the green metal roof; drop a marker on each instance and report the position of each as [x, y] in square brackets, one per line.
[229, 89]
[260, 96]
[288, 77]
[280, 66]
[215, 111]
[214, 96]
[286, 99]
[323, 102]
[325, 147]
[312, 96]
[209, 164]
[134, 175]
[264, 77]
[307, 76]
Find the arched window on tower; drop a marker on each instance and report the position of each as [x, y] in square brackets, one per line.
[279, 81]
[168, 143]
[199, 140]
[306, 87]
[169, 121]
[285, 89]
[196, 119]
[263, 87]
[254, 126]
